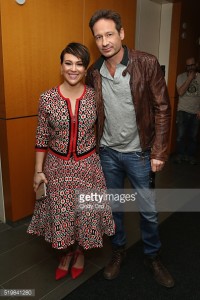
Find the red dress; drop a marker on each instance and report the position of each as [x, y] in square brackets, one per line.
[71, 167]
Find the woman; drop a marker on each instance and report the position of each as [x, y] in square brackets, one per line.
[67, 162]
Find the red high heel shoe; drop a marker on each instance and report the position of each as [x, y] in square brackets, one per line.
[65, 260]
[76, 272]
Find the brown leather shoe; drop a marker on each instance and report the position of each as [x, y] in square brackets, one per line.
[112, 270]
[161, 274]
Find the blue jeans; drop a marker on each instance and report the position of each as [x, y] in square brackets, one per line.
[136, 166]
[187, 128]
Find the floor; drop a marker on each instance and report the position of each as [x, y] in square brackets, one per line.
[27, 262]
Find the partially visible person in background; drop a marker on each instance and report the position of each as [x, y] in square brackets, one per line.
[188, 113]
[66, 160]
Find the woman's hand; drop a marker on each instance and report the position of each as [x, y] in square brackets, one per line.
[37, 179]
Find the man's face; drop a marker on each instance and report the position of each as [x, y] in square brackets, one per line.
[190, 65]
[108, 39]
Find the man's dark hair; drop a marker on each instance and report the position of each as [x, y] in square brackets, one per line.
[108, 15]
[78, 50]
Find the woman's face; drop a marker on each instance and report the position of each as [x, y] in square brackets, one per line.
[72, 69]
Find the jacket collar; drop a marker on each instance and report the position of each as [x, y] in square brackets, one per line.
[100, 61]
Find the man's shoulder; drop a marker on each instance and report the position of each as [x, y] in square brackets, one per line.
[140, 54]
[198, 77]
[182, 76]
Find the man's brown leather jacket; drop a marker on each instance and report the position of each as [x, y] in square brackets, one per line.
[150, 99]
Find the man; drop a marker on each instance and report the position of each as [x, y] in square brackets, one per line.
[132, 131]
[188, 113]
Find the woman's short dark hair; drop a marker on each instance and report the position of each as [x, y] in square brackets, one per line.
[108, 15]
[78, 50]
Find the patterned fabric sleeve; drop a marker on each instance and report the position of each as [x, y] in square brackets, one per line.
[42, 133]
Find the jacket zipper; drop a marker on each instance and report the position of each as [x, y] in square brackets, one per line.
[73, 133]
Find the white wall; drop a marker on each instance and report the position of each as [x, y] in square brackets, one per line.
[148, 26]
[165, 34]
[153, 30]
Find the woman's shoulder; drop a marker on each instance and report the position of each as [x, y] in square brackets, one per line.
[90, 90]
[50, 92]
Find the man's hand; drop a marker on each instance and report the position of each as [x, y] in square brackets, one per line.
[191, 75]
[157, 165]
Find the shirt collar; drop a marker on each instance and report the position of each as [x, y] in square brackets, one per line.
[125, 57]
[101, 60]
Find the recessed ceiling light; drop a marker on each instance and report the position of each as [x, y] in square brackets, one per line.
[20, 1]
